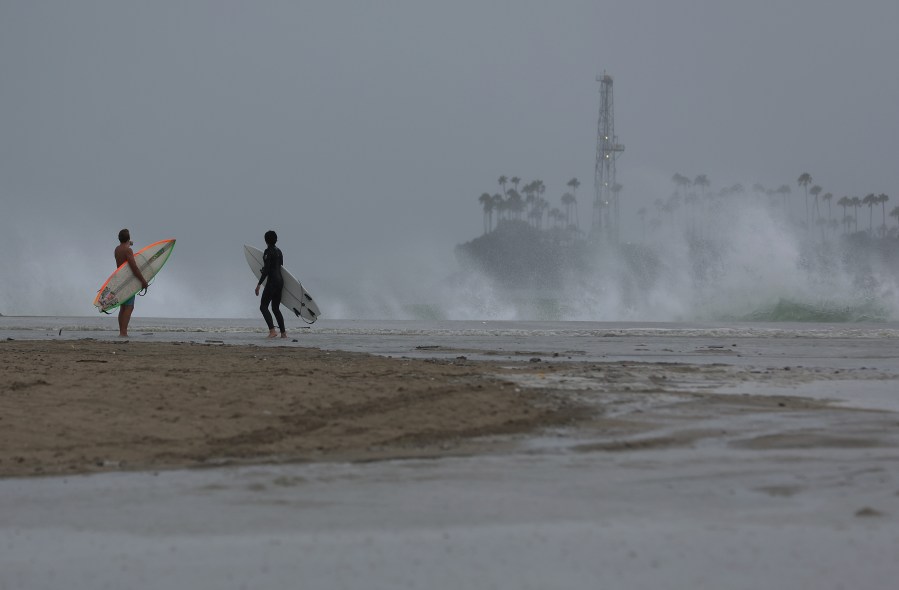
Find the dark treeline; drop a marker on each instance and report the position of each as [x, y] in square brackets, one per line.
[529, 238]
[529, 202]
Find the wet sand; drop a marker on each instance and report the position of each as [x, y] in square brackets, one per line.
[85, 406]
[519, 473]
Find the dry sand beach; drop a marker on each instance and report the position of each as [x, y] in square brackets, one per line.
[331, 469]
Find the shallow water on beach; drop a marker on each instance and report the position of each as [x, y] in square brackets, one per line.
[357, 333]
[737, 342]
[835, 347]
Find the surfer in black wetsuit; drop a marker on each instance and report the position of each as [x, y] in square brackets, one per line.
[272, 260]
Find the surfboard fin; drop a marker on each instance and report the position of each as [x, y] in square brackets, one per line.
[314, 317]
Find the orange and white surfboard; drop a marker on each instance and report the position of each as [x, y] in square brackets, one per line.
[122, 285]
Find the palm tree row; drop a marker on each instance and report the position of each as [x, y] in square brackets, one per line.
[849, 222]
[528, 203]
[685, 193]
[691, 198]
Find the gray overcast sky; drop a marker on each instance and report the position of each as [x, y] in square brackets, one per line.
[364, 131]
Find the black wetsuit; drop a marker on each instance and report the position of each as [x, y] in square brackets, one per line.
[272, 260]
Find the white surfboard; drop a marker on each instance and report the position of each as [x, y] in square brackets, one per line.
[293, 296]
[122, 284]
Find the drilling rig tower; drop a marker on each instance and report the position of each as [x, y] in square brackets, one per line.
[606, 188]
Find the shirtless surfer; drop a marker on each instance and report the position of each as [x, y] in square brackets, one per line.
[123, 253]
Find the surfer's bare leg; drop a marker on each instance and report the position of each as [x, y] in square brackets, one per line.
[125, 312]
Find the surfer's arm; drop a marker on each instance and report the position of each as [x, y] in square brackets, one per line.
[133, 264]
[262, 273]
[266, 264]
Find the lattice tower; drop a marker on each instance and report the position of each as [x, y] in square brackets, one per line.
[605, 186]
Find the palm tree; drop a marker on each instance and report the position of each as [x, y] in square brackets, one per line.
[542, 206]
[804, 180]
[680, 181]
[502, 182]
[573, 183]
[536, 212]
[870, 200]
[557, 216]
[702, 181]
[539, 189]
[827, 198]
[500, 206]
[515, 203]
[845, 202]
[882, 199]
[847, 221]
[577, 220]
[487, 202]
[515, 180]
[895, 213]
[530, 198]
[815, 191]
[531, 191]
[856, 204]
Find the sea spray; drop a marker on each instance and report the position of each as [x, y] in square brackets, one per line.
[742, 261]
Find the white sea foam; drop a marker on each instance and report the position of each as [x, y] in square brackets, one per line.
[732, 259]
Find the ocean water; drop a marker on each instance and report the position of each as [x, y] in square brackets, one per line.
[833, 344]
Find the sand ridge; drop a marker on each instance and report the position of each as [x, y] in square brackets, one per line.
[82, 406]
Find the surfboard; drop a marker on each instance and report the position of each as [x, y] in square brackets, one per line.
[122, 285]
[293, 296]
